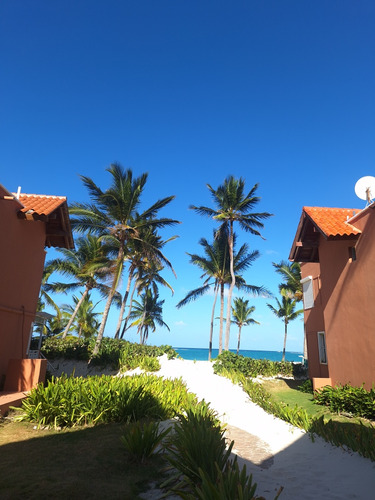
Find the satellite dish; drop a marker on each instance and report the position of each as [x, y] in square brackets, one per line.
[365, 188]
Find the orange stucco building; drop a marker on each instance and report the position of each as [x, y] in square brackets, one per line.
[336, 249]
[28, 224]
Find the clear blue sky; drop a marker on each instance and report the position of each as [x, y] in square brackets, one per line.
[278, 92]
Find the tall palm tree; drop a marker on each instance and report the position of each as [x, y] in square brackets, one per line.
[286, 311]
[233, 205]
[147, 313]
[113, 213]
[216, 271]
[291, 274]
[241, 312]
[86, 266]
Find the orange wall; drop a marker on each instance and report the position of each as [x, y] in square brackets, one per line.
[346, 300]
[21, 268]
[314, 322]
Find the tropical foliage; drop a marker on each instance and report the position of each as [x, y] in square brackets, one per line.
[86, 322]
[69, 401]
[291, 275]
[147, 313]
[86, 267]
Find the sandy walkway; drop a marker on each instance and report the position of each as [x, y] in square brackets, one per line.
[276, 453]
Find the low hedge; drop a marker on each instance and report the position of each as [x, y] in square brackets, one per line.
[250, 367]
[110, 350]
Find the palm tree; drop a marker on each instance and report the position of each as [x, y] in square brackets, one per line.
[54, 326]
[233, 205]
[241, 312]
[286, 311]
[145, 258]
[147, 314]
[291, 273]
[113, 213]
[86, 322]
[86, 266]
[216, 271]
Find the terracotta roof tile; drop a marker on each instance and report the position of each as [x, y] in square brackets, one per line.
[41, 204]
[333, 221]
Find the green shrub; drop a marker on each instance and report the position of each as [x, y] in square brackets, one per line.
[149, 364]
[69, 348]
[142, 440]
[198, 442]
[250, 367]
[306, 387]
[69, 401]
[353, 400]
[113, 352]
[228, 485]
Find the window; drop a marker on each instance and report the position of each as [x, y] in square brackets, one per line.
[322, 348]
[352, 254]
[308, 292]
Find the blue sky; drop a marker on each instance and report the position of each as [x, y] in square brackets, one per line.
[278, 92]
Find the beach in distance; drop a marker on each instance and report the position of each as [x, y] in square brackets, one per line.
[201, 354]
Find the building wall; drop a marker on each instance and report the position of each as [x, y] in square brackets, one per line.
[314, 322]
[348, 297]
[21, 268]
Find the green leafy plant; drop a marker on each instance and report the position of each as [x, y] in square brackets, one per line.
[142, 440]
[306, 387]
[228, 485]
[198, 443]
[69, 401]
[355, 401]
[249, 367]
[149, 364]
[114, 352]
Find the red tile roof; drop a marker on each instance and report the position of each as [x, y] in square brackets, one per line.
[41, 204]
[333, 221]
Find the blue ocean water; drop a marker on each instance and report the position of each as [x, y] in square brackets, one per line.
[201, 354]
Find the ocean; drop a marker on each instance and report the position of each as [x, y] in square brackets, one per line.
[201, 354]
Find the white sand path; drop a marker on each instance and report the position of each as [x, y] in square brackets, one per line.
[306, 469]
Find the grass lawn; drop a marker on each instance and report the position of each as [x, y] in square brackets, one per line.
[87, 462]
[285, 390]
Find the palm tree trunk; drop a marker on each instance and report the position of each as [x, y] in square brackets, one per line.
[285, 335]
[99, 337]
[233, 282]
[212, 323]
[72, 317]
[125, 327]
[142, 334]
[116, 278]
[239, 339]
[221, 318]
[123, 304]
